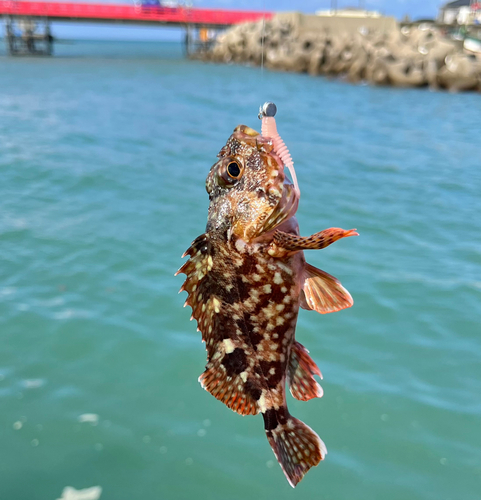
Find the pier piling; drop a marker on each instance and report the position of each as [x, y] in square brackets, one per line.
[28, 36]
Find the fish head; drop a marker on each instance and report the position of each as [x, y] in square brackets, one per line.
[248, 189]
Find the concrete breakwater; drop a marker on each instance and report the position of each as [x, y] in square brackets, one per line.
[381, 53]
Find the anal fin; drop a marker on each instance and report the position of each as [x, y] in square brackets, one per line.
[322, 292]
[300, 374]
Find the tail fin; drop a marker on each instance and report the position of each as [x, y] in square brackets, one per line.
[296, 446]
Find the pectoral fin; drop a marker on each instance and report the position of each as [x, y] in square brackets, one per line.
[322, 292]
[323, 239]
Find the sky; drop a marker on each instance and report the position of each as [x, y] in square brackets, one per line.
[416, 9]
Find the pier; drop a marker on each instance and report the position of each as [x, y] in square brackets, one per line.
[28, 23]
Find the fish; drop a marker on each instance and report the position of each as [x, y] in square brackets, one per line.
[246, 278]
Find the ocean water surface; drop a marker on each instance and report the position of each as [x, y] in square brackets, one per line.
[104, 150]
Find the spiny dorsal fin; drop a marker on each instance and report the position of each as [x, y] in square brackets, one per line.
[322, 292]
[198, 284]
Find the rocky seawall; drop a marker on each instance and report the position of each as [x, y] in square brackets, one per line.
[382, 54]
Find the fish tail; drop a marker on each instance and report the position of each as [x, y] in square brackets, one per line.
[296, 446]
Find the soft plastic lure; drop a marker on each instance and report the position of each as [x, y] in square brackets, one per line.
[267, 113]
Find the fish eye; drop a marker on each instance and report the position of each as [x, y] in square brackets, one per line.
[234, 170]
[228, 173]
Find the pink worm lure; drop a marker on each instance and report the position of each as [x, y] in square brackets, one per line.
[269, 129]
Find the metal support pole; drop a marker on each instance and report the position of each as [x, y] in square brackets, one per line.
[48, 38]
[10, 35]
[188, 41]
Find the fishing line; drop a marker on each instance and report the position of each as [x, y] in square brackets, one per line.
[263, 36]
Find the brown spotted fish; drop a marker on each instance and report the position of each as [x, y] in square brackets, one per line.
[246, 279]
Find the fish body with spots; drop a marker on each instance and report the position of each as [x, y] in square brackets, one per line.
[246, 279]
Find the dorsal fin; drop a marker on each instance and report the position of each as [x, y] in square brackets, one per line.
[228, 375]
[223, 379]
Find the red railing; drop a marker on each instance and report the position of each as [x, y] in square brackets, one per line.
[128, 13]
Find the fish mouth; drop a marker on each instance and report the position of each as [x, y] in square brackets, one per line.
[285, 208]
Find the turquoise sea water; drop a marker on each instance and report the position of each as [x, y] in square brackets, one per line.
[104, 150]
